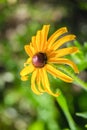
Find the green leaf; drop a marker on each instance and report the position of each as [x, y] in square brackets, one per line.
[83, 114]
[38, 125]
[86, 126]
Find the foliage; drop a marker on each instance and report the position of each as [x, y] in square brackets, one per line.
[20, 109]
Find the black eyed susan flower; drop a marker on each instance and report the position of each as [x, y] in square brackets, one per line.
[43, 55]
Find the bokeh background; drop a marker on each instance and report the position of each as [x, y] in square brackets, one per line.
[20, 108]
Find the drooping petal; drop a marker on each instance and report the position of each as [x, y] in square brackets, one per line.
[40, 87]
[66, 51]
[44, 34]
[29, 50]
[63, 40]
[33, 84]
[39, 81]
[55, 35]
[27, 70]
[64, 61]
[58, 74]
[45, 83]
[24, 78]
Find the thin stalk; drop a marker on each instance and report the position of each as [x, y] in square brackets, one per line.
[63, 104]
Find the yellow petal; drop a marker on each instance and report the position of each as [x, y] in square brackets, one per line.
[46, 84]
[66, 51]
[40, 87]
[58, 74]
[33, 86]
[29, 50]
[27, 62]
[34, 42]
[63, 40]
[51, 54]
[64, 61]
[39, 81]
[24, 78]
[27, 70]
[55, 35]
[38, 40]
[44, 34]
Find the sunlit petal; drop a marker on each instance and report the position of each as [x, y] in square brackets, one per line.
[33, 83]
[64, 61]
[51, 54]
[28, 61]
[38, 40]
[44, 34]
[29, 50]
[55, 35]
[66, 51]
[27, 70]
[46, 83]
[58, 74]
[63, 40]
[39, 81]
[34, 45]
[33, 41]
[24, 78]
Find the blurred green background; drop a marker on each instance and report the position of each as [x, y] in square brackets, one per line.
[20, 108]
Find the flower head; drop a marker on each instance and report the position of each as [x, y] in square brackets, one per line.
[43, 55]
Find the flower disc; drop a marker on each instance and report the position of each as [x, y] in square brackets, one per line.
[39, 60]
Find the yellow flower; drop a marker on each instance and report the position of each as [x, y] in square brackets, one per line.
[43, 55]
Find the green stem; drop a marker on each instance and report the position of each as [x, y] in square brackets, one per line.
[63, 104]
[77, 80]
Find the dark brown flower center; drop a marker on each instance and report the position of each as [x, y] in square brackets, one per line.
[39, 60]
